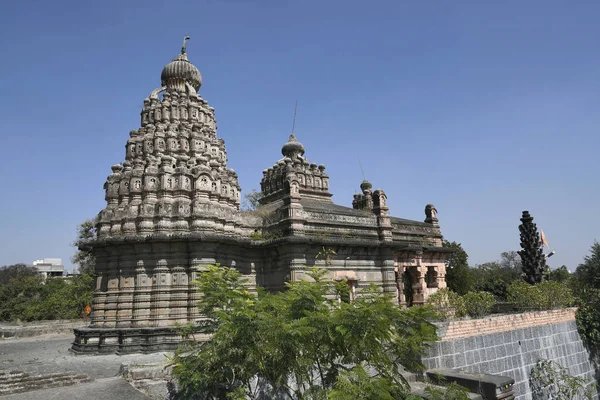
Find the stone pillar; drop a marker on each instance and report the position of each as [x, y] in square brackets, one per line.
[178, 304]
[389, 279]
[441, 276]
[419, 285]
[112, 293]
[399, 270]
[193, 295]
[141, 296]
[159, 298]
[126, 288]
[98, 301]
[251, 284]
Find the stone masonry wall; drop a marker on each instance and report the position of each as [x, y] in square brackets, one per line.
[510, 345]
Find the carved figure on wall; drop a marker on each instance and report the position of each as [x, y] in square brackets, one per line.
[204, 182]
[130, 151]
[294, 188]
[172, 144]
[148, 147]
[382, 198]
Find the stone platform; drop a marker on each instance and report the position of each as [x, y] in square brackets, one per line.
[125, 340]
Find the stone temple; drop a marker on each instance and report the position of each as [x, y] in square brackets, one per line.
[173, 207]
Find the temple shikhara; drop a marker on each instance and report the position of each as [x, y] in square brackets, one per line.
[173, 207]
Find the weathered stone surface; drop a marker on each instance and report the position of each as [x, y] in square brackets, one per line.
[13, 331]
[173, 208]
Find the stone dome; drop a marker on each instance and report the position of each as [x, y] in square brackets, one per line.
[366, 185]
[179, 72]
[292, 148]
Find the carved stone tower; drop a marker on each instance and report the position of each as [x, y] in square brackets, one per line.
[172, 208]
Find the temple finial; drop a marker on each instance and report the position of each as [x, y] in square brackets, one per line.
[183, 48]
[294, 123]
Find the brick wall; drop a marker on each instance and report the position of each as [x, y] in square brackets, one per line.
[502, 323]
[510, 345]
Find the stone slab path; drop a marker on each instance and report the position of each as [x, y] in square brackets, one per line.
[100, 389]
[49, 354]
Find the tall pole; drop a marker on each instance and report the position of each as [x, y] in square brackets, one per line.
[294, 123]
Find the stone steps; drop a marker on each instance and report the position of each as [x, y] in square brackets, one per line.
[12, 382]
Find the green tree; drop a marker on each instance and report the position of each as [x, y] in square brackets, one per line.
[84, 258]
[17, 293]
[31, 298]
[532, 255]
[586, 281]
[495, 277]
[511, 260]
[587, 274]
[252, 200]
[459, 277]
[560, 274]
[9, 272]
[302, 343]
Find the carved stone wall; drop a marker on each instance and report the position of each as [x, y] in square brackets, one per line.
[173, 208]
[152, 284]
[175, 176]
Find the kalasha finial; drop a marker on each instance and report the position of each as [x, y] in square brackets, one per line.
[183, 48]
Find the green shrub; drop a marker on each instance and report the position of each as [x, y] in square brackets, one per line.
[524, 296]
[555, 295]
[588, 323]
[543, 296]
[301, 343]
[550, 380]
[479, 304]
[447, 304]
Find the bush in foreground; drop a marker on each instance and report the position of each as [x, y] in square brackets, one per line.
[304, 343]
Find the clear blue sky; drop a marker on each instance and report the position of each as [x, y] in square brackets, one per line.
[483, 108]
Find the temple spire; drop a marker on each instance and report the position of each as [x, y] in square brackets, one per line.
[183, 48]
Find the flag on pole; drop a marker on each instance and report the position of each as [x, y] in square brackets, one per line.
[544, 241]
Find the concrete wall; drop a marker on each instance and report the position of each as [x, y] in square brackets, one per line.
[510, 345]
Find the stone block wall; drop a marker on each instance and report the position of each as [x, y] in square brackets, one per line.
[510, 345]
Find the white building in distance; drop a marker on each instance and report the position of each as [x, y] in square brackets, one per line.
[50, 267]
